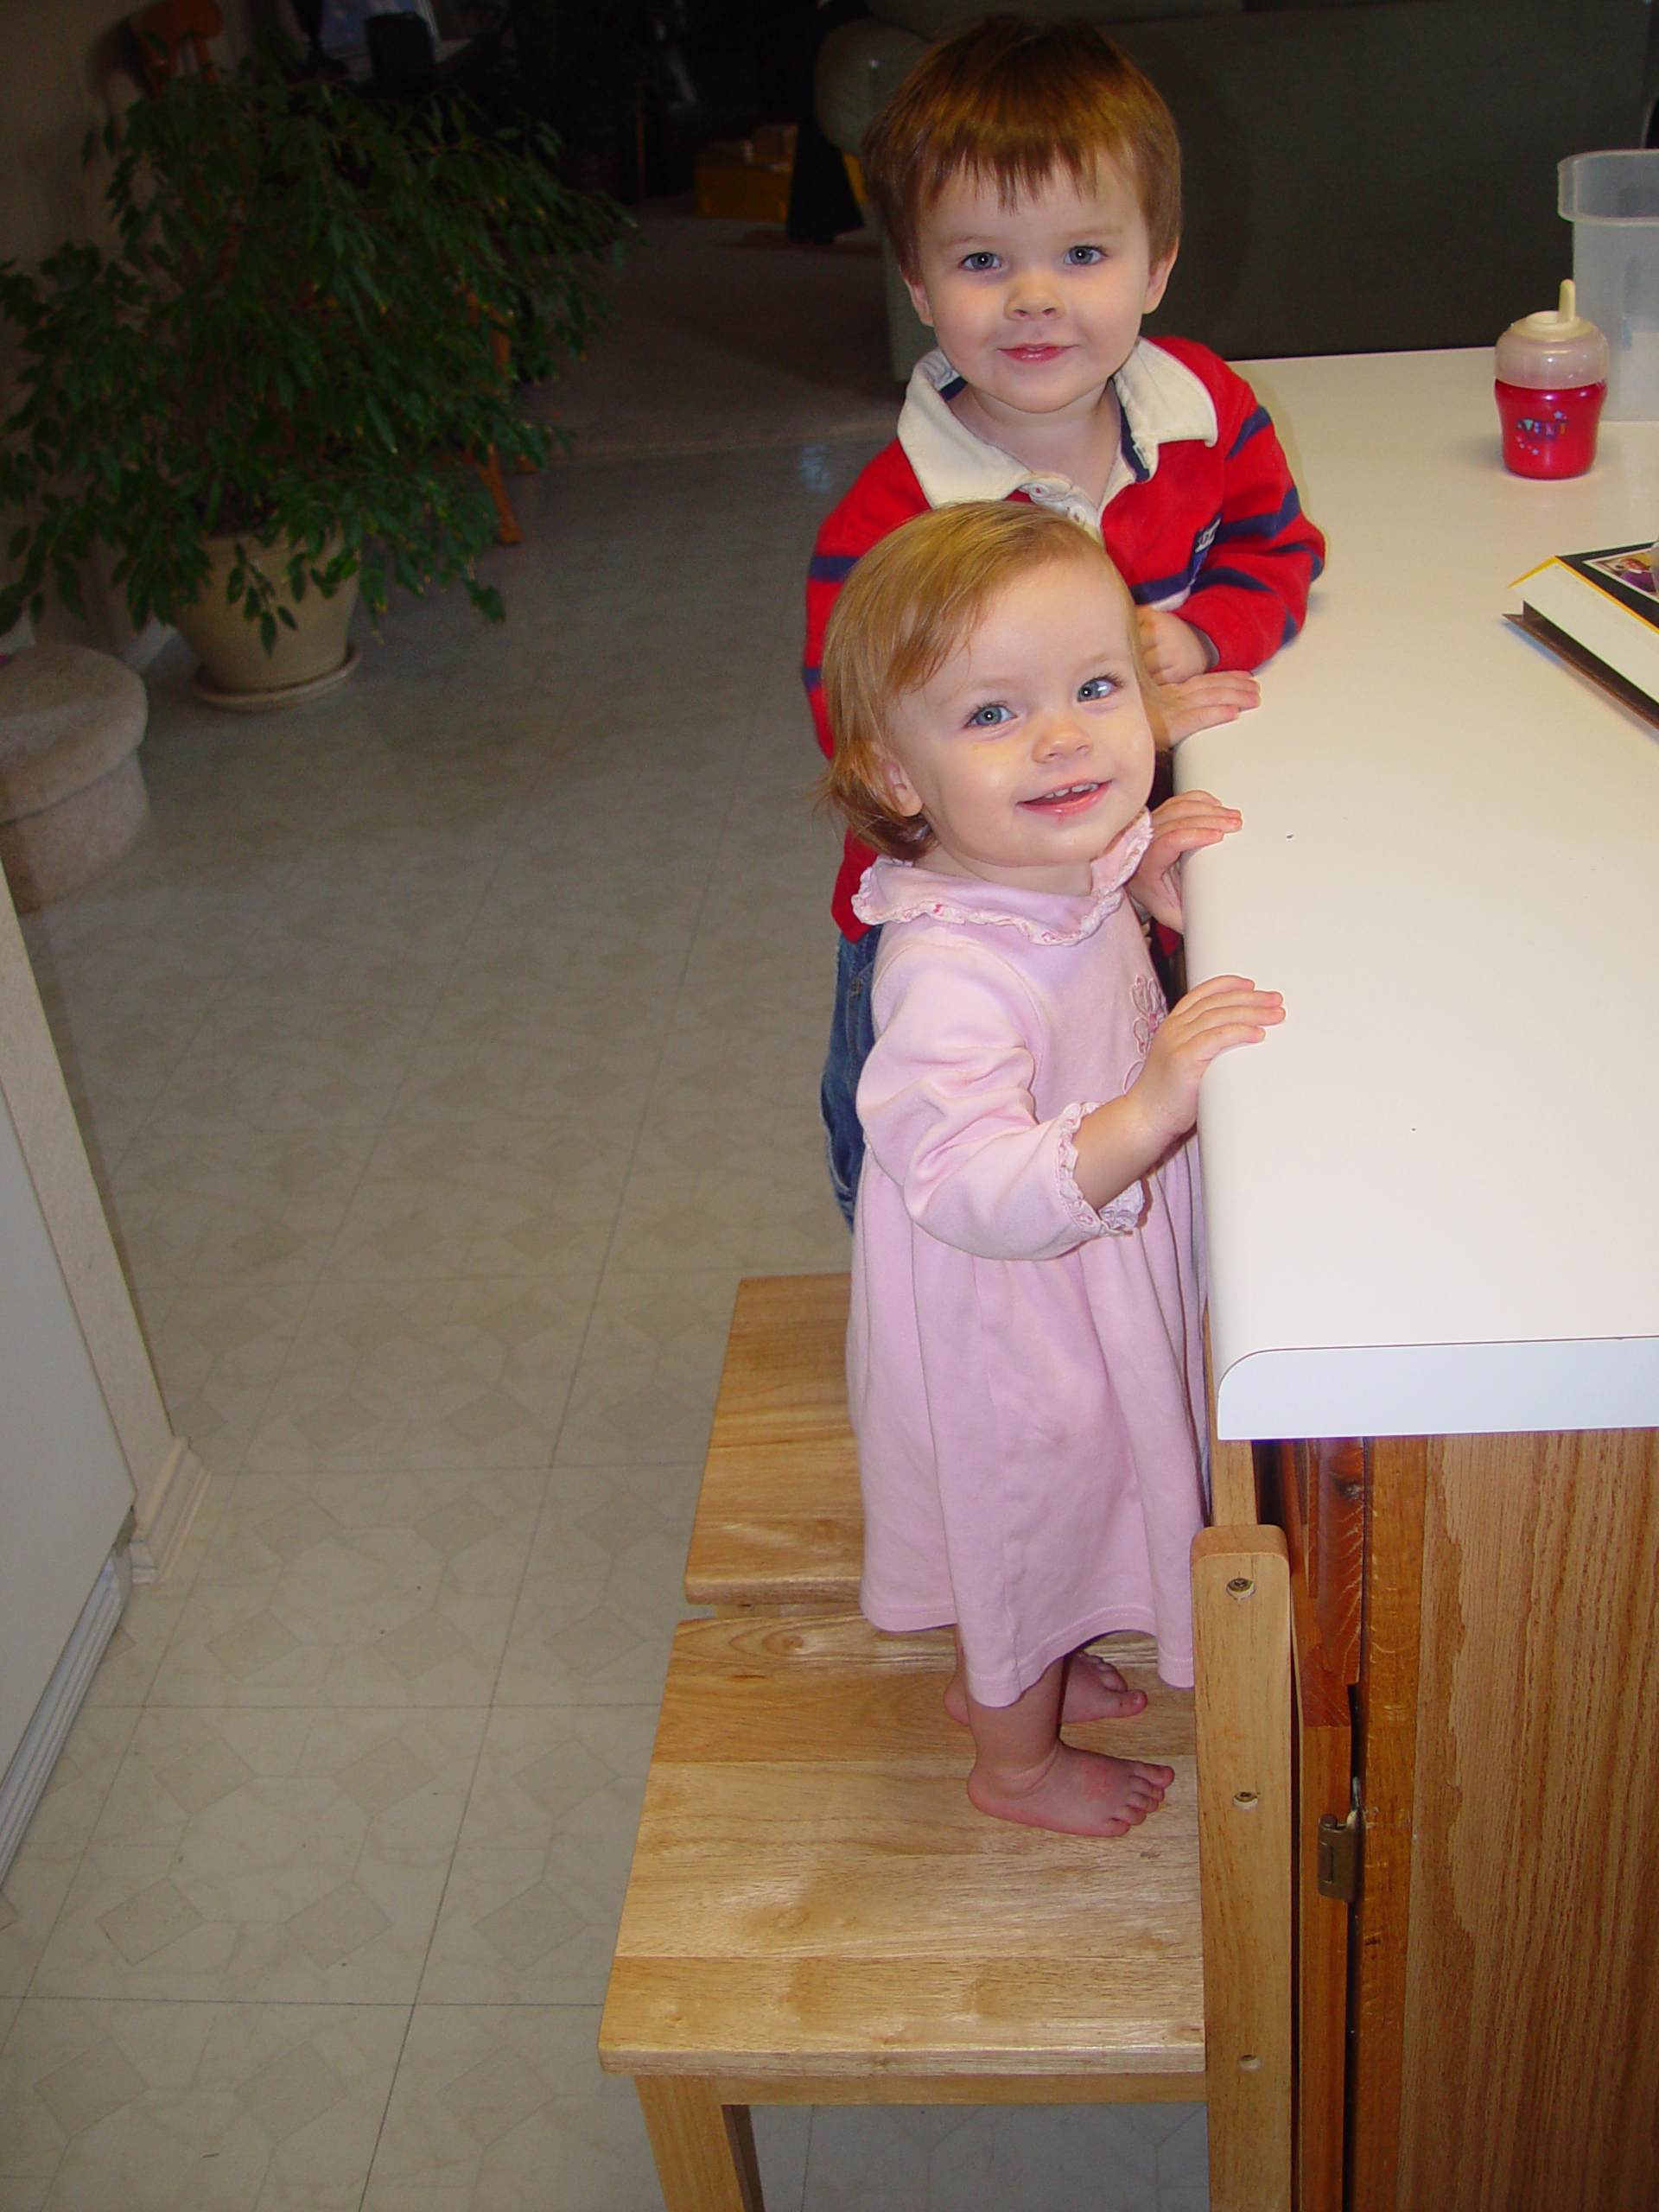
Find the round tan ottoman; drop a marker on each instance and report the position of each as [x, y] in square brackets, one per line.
[72, 793]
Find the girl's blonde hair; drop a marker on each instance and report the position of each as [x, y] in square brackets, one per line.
[912, 601]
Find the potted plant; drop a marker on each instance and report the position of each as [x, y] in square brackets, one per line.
[281, 383]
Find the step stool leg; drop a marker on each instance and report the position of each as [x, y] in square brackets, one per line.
[1241, 1621]
[704, 2149]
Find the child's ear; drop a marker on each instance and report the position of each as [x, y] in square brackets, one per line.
[1158, 279]
[918, 299]
[901, 793]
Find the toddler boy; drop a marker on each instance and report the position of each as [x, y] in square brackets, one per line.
[1029, 177]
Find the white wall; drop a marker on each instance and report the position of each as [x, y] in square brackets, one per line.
[64, 1487]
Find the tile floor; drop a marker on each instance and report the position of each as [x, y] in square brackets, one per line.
[446, 1052]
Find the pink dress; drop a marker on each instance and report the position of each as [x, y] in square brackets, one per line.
[1025, 1374]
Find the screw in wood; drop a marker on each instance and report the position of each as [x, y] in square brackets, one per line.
[1246, 1799]
[1240, 1586]
[1249, 2063]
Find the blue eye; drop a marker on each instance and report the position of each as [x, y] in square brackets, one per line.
[1097, 687]
[979, 261]
[989, 717]
[1083, 257]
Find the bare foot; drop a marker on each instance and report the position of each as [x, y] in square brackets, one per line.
[1080, 1793]
[1094, 1691]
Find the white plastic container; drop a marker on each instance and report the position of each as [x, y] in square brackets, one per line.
[1612, 200]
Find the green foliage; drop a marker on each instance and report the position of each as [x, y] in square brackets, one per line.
[293, 339]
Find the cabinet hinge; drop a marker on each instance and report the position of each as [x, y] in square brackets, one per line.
[1338, 1865]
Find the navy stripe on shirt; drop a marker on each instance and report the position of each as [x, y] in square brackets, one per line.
[1160, 588]
[830, 568]
[813, 679]
[1220, 575]
[1262, 525]
[1259, 419]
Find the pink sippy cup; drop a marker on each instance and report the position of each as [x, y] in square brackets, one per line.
[1552, 378]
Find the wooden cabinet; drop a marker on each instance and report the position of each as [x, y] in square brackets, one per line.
[1476, 1650]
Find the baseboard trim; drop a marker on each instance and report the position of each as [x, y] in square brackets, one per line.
[35, 1757]
[168, 1509]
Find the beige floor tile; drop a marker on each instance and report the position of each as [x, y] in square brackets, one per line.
[297, 1048]
[1003, 2158]
[1184, 2162]
[299, 964]
[865, 2159]
[535, 1891]
[240, 1206]
[218, 1349]
[425, 1375]
[210, 2107]
[781, 2137]
[302, 1085]
[542, 933]
[602, 1594]
[485, 1198]
[137, 1647]
[504, 2109]
[266, 1857]
[711, 1065]
[1043, 2159]
[364, 1589]
[746, 1189]
[644, 1389]
[56, 1838]
[473, 1068]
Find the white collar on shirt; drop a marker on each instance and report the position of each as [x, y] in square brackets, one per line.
[1161, 399]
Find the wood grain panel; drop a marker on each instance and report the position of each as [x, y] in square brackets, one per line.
[1232, 1474]
[704, 2151]
[1387, 1754]
[1532, 2012]
[889, 2089]
[822, 2020]
[779, 1520]
[1241, 1623]
[812, 1893]
[1336, 1562]
[831, 1689]
[1322, 1775]
[1324, 1767]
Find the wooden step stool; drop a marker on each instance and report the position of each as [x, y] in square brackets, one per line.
[779, 1525]
[817, 1915]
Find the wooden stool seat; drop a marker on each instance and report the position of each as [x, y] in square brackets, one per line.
[779, 1525]
[813, 1898]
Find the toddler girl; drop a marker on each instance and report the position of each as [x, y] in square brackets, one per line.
[1024, 1360]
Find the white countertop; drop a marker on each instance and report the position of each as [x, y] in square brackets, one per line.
[1432, 1195]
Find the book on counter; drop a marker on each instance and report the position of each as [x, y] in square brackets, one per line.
[1600, 612]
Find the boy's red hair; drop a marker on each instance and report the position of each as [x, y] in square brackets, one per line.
[1010, 100]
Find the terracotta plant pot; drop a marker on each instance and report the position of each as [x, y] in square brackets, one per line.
[236, 671]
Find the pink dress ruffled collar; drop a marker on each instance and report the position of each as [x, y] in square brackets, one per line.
[898, 891]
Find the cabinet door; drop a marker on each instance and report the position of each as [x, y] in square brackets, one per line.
[1318, 1497]
[1385, 1759]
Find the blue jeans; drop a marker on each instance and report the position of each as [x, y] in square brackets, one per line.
[852, 1032]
